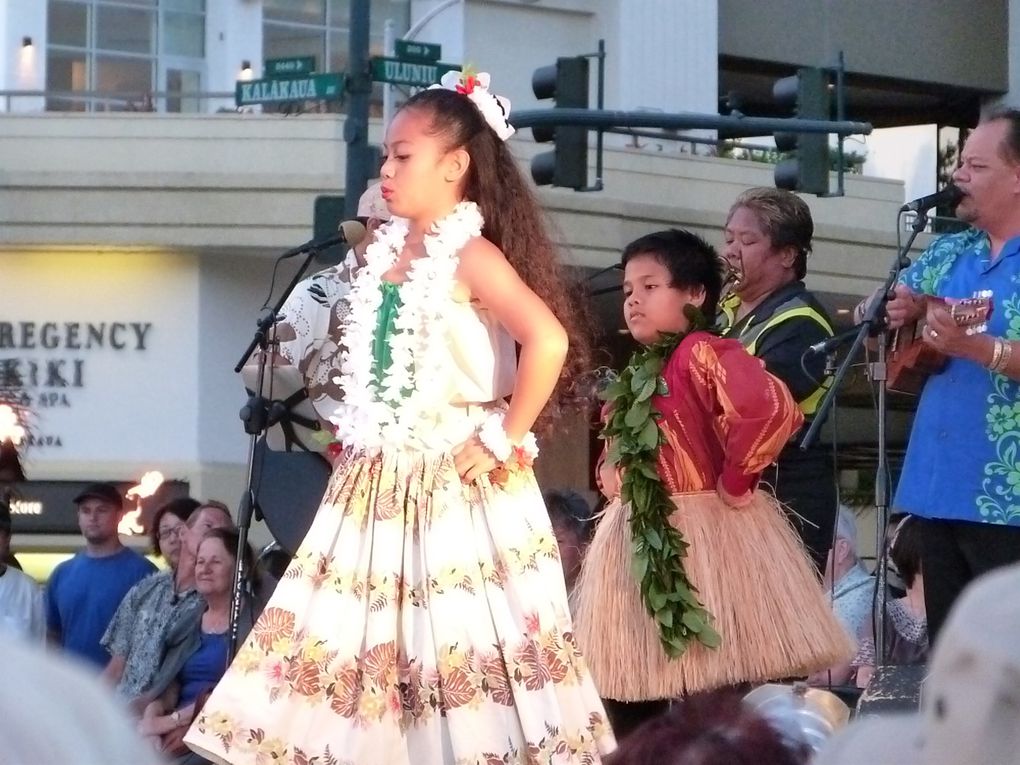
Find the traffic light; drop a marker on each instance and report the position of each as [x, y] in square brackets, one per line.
[807, 93]
[566, 82]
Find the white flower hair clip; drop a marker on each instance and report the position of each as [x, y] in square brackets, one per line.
[494, 109]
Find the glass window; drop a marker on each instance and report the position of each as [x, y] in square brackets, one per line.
[300, 28]
[67, 24]
[182, 81]
[184, 34]
[128, 80]
[191, 6]
[124, 29]
[398, 10]
[113, 45]
[280, 41]
[301, 11]
[340, 12]
[66, 71]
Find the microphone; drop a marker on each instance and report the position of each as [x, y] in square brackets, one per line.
[350, 232]
[950, 195]
[830, 344]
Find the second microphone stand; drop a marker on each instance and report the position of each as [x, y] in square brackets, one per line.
[874, 323]
[258, 414]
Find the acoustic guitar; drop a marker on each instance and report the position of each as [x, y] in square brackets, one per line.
[911, 360]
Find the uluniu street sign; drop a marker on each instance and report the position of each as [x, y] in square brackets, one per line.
[323, 87]
[419, 74]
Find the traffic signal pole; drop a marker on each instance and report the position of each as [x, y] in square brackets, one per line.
[605, 119]
[359, 90]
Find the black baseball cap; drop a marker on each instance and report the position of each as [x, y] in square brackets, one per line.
[104, 491]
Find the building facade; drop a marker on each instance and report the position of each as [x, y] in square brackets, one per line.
[141, 212]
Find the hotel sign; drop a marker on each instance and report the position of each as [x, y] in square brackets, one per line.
[45, 363]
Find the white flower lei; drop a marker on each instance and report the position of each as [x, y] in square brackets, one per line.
[398, 411]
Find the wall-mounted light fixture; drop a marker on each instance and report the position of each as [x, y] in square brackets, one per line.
[246, 66]
[26, 42]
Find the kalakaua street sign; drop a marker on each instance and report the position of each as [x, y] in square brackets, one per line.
[324, 87]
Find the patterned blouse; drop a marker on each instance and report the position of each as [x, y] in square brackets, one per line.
[140, 626]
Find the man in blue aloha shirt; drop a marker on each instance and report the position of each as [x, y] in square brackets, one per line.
[961, 476]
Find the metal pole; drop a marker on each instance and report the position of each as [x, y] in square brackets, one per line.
[601, 101]
[389, 49]
[840, 116]
[359, 87]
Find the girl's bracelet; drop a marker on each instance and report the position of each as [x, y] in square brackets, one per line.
[494, 438]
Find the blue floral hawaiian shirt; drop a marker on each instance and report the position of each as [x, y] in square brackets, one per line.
[963, 457]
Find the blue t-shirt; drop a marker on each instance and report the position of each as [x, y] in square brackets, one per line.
[82, 596]
[963, 457]
[204, 667]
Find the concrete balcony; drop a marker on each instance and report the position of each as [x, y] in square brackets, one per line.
[247, 183]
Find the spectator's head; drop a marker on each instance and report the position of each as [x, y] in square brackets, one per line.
[100, 510]
[216, 560]
[572, 524]
[665, 274]
[168, 525]
[710, 729]
[970, 705]
[768, 238]
[843, 553]
[211, 514]
[905, 551]
[989, 173]
[373, 212]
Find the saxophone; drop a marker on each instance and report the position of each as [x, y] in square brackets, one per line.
[733, 274]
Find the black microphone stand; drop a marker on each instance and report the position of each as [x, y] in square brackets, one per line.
[874, 323]
[259, 413]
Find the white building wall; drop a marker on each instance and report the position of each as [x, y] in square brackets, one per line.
[666, 56]
[444, 26]
[22, 68]
[1012, 97]
[233, 34]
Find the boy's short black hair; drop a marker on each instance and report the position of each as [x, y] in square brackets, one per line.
[691, 261]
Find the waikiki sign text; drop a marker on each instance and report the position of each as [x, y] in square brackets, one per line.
[326, 87]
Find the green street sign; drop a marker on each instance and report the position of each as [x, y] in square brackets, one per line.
[418, 51]
[321, 87]
[415, 73]
[288, 67]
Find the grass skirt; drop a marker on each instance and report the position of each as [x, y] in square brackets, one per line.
[753, 576]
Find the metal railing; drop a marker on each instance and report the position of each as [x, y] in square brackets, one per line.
[116, 101]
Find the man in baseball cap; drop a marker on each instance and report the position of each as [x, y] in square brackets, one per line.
[105, 492]
[970, 702]
[83, 593]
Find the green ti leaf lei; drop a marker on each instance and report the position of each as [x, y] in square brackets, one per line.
[658, 548]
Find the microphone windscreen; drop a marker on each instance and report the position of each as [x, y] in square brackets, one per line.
[354, 232]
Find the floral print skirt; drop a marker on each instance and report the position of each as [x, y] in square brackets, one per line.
[421, 621]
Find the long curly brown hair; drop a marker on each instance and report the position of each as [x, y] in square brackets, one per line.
[515, 223]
